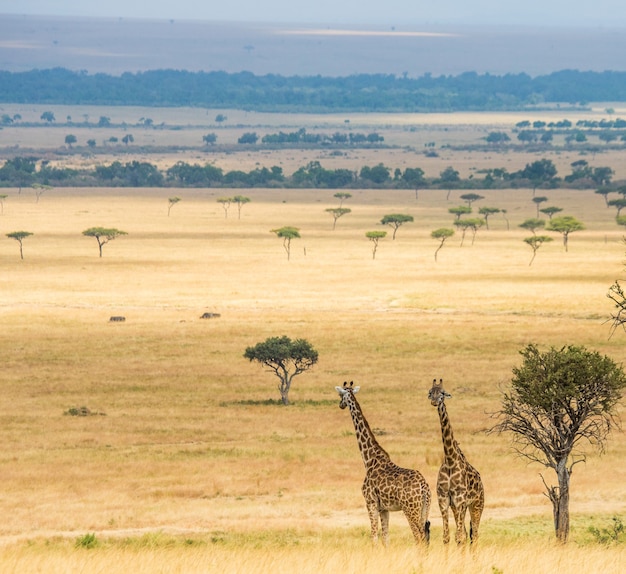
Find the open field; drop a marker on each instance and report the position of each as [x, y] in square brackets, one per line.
[186, 466]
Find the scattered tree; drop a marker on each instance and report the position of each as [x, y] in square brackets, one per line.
[19, 237]
[460, 210]
[342, 196]
[285, 358]
[558, 400]
[550, 211]
[441, 235]
[396, 220]
[486, 212]
[3, 196]
[47, 117]
[225, 201]
[70, 139]
[375, 237]
[532, 224]
[538, 201]
[449, 177]
[40, 188]
[565, 225]
[337, 212]
[128, 138]
[535, 242]
[240, 200]
[103, 235]
[209, 139]
[470, 198]
[248, 138]
[171, 202]
[287, 233]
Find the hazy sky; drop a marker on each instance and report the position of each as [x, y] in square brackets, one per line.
[374, 12]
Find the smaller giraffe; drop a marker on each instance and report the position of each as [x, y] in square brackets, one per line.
[387, 487]
[459, 486]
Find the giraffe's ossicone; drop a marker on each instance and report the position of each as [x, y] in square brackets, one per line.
[459, 487]
[387, 487]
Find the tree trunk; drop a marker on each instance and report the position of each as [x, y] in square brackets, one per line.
[560, 502]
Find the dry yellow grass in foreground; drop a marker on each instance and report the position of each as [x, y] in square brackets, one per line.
[185, 466]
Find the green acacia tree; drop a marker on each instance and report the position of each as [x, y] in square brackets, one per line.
[375, 237]
[535, 242]
[19, 237]
[285, 358]
[103, 235]
[240, 201]
[486, 212]
[287, 233]
[558, 400]
[225, 201]
[441, 235]
[338, 212]
[532, 224]
[396, 220]
[565, 225]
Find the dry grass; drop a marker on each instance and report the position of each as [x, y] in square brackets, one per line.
[190, 467]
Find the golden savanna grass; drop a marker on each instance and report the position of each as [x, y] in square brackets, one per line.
[185, 466]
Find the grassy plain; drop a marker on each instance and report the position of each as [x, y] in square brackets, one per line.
[187, 466]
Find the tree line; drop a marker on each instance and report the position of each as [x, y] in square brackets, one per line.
[33, 172]
[272, 92]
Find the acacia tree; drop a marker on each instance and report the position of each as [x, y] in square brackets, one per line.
[565, 225]
[557, 401]
[285, 358]
[538, 201]
[19, 237]
[287, 233]
[532, 224]
[441, 234]
[535, 242]
[171, 201]
[375, 237]
[103, 235]
[342, 196]
[551, 210]
[486, 212]
[396, 220]
[240, 201]
[225, 201]
[337, 212]
[460, 210]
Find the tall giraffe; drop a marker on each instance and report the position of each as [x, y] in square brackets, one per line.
[458, 485]
[387, 487]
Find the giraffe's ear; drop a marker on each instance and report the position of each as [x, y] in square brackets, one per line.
[340, 390]
[356, 389]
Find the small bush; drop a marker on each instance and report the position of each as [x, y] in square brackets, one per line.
[87, 541]
[612, 535]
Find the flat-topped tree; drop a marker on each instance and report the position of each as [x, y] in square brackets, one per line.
[486, 212]
[225, 201]
[19, 237]
[171, 201]
[538, 201]
[470, 198]
[342, 196]
[441, 235]
[103, 235]
[240, 201]
[532, 224]
[535, 242]
[551, 210]
[287, 233]
[337, 212]
[459, 211]
[396, 220]
[285, 358]
[565, 225]
[375, 237]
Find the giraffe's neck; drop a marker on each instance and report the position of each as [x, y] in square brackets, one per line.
[450, 448]
[371, 451]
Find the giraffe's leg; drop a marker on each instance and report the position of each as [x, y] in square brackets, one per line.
[384, 522]
[459, 512]
[417, 526]
[444, 506]
[372, 510]
[475, 512]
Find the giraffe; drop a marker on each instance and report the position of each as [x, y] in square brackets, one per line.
[387, 487]
[458, 485]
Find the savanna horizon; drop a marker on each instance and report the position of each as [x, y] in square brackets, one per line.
[184, 443]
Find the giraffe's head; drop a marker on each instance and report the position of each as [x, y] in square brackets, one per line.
[346, 392]
[436, 394]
